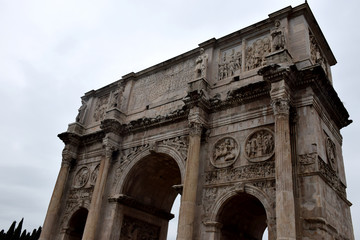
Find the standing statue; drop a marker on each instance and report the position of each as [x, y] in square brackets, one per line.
[201, 64]
[82, 111]
[278, 38]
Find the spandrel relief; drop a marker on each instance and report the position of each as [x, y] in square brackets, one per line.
[259, 145]
[225, 152]
[256, 51]
[230, 63]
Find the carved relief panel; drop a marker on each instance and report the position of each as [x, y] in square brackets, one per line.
[225, 152]
[85, 176]
[256, 51]
[101, 107]
[230, 62]
[260, 145]
[331, 153]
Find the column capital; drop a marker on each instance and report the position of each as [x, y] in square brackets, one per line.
[281, 106]
[195, 128]
[110, 144]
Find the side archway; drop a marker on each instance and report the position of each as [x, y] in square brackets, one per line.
[243, 213]
[76, 224]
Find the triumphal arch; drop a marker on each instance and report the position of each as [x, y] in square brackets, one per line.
[245, 127]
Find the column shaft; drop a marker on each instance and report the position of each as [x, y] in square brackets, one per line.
[52, 214]
[285, 202]
[96, 200]
[188, 199]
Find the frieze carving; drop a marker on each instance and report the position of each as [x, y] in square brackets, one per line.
[278, 37]
[331, 153]
[201, 64]
[253, 171]
[94, 174]
[81, 177]
[256, 53]
[101, 107]
[260, 145]
[225, 152]
[230, 65]
[133, 228]
[333, 180]
[307, 162]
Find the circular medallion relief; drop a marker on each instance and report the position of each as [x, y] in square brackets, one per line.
[94, 175]
[260, 145]
[82, 176]
[331, 153]
[225, 152]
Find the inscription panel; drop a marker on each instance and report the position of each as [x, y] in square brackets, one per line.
[152, 88]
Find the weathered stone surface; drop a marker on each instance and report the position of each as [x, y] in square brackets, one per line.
[245, 127]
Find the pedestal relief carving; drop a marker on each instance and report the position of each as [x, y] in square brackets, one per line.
[256, 52]
[81, 177]
[230, 63]
[259, 145]
[225, 152]
[136, 229]
[331, 153]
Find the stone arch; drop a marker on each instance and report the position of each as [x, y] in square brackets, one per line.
[131, 162]
[247, 189]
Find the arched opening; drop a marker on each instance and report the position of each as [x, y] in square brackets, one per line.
[149, 188]
[242, 217]
[77, 224]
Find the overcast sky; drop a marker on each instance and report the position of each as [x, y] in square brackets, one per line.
[52, 52]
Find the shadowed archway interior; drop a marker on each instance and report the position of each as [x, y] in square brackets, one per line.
[151, 181]
[243, 217]
[77, 224]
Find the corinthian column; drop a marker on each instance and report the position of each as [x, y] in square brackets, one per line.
[285, 202]
[188, 198]
[96, 199]
[52, 215]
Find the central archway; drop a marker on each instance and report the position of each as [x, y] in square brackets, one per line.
[149, 186]
[243, 217]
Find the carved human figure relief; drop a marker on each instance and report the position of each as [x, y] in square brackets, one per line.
[81, 177]
[81, 112]
[230, 64]
[100, 109]
[331, 153]
[225, 152]
[259, 145]
[201, 64]
[278, 37]
[256, 53]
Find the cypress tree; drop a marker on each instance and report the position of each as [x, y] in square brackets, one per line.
[17, 231]
[10, 232]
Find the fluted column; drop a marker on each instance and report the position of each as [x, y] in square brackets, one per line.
[188, 198]
[285, 202]
[97, 196]
[52, 215]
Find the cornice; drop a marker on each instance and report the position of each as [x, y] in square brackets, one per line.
[315, 77]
